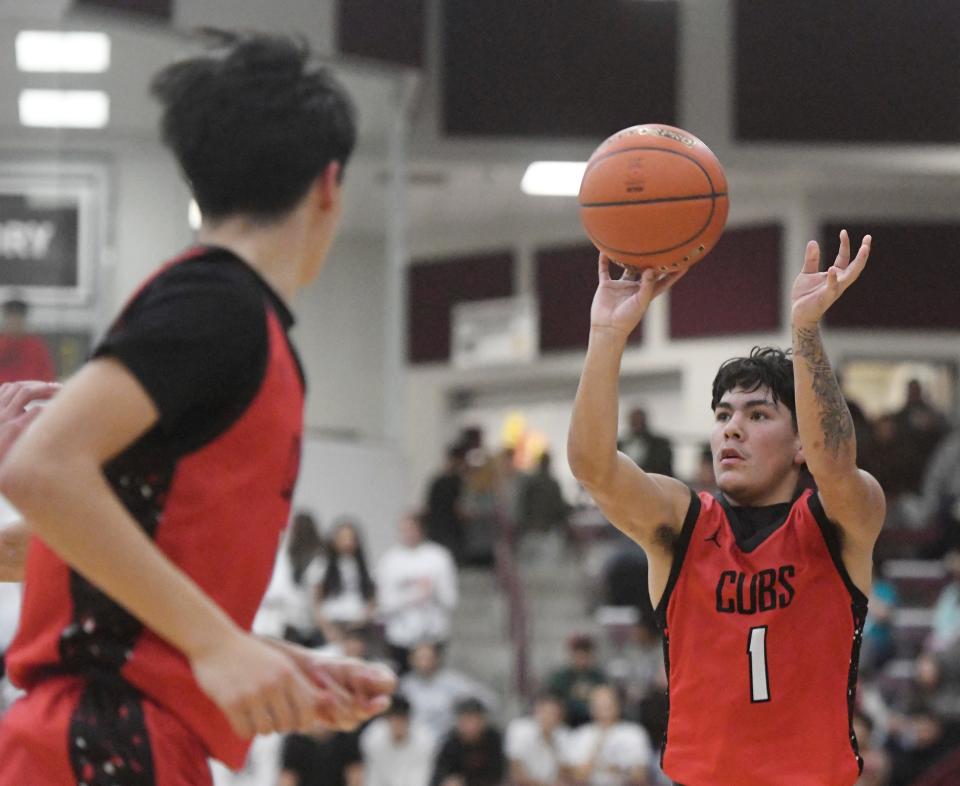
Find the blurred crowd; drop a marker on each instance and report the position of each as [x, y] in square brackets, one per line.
[598, 717]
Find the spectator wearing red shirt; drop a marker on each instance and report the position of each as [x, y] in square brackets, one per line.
[22, 356]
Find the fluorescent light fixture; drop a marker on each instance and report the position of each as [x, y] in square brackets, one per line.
[194, 217]
[553, 178]
[64, 108]
[56, 51]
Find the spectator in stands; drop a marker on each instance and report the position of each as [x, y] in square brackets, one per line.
[416, 591]
[876, 761]
[920, 426]
[510, 483]
[346, 594]
[481, 507]
[945, 634]
[878, 645]
[22, 355]
[651, 452]
[287, 608]
[940, 498]
[535, 745]
[321, 758]
[444, 517]
[397, 751]
[434, 690]
[574, 681]
[887, 462]
[543, 511]
[637, 670]
[625, 578]
[703, 478]
[472, 753]
[609, 751]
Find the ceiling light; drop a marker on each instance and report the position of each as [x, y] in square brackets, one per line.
[553, 178]
[194, 217]
[51, 50]
[64, 108]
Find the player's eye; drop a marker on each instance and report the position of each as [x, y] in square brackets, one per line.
[721, 416]
[759, 416]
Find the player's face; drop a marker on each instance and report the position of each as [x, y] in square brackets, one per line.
[756, 450]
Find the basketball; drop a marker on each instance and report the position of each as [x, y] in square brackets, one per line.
[654, 196]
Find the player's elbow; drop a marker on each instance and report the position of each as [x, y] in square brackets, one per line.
[590, 467]
[27, 476]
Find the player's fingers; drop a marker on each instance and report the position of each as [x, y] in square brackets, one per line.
[240, 721]
[376, 679]
[32, 391]
[669, 280]
[852, 272]
[811, 258]
[843, 254]
[603, 267]
[259, 716]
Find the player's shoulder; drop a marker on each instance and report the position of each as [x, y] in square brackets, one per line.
[210, 268]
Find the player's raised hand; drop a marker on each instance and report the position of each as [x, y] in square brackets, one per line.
[815, 291]
[619, 305]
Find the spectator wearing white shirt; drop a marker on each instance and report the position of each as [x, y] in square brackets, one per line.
[434, 691]
[609, 751]
[346, 594]
[416, 591]
[396, 750]
[535, 745]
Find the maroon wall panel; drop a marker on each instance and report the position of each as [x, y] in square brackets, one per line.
[391, 31]
[160, 9]
[911, 279]
[434, 287]
[566, 281]
[558, 67]
[735, 289]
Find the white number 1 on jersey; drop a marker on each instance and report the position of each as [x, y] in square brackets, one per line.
[757, 650]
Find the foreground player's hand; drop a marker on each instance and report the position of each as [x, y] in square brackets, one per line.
[353, 690]
[14, 419]
[620, 305]
[814, 291]
[258, 687]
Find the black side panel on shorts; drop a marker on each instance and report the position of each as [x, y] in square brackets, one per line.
[108, 743]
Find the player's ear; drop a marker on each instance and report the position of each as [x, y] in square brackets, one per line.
[327, 185]
[798, 458]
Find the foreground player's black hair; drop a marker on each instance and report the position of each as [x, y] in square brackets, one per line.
[252, 123]
[765, 367]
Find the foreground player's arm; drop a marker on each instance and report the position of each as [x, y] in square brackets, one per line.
[632, 500]
[851, 497]
[13, 551]
[53, 476]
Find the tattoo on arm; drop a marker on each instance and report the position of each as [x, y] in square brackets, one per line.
[835, 420]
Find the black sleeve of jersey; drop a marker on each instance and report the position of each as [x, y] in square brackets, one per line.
[196, 340]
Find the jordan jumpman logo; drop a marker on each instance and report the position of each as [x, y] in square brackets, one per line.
[714, 538]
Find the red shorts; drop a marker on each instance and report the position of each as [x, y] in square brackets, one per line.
[69, 731]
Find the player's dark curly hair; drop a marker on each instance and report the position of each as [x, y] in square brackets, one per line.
[252, 123]
[765, 367]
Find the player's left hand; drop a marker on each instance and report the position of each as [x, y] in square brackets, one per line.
[815, 291]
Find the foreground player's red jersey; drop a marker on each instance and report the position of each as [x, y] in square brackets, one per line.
[761, 643]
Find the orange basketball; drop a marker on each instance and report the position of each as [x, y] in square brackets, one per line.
[654, 196]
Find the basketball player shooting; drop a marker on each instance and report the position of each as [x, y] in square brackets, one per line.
[157, 483]
[761, 590]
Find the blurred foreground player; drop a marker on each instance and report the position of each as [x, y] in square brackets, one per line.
[159, 481]
[761, 590]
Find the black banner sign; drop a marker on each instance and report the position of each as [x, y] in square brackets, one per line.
[38, 243]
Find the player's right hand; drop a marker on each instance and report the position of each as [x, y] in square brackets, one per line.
[619, 305]
[258, 687]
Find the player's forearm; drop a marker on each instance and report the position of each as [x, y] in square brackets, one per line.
[823, 419]
[72, 509]
[592, 441]
[13, 551]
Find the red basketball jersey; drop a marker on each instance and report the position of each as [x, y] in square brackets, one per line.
[761, 645]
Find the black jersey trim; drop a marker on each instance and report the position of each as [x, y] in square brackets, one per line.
[666, 721]
[679, 552]
[831, 537]
[859, 614]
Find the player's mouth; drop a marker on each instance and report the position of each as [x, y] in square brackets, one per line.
[730, 457]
